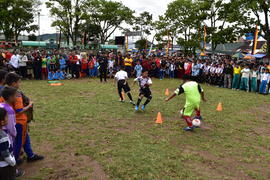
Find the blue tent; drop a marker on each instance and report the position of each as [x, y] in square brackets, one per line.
[259, 56]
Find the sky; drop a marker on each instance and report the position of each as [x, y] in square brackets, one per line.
[155, 7]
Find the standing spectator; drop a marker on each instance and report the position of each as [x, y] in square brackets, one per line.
[228, 73]
[111, 66]
[236, 76]
[265, 78]
[244, 83]
[103, 67]
[23, 65]
[128, 64]
[62, 63]
[37, 67]
[138, 68]
[44, 71]
[14, 62]
[254, 79]
[91, 66]
[73, 65]
[172, 69]
[195, 71]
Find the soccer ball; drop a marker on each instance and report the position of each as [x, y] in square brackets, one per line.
[196, 122]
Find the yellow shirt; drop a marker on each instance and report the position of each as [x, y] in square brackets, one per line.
[236, 70]
[128, 62]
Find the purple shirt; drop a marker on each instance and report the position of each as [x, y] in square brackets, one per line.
[10, 128]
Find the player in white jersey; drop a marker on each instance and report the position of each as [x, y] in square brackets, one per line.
[144, 83]
[121, 77]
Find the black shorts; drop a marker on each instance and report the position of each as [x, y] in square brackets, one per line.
[146, 92]
[122, 84]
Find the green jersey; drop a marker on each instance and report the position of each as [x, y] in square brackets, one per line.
[192, 90]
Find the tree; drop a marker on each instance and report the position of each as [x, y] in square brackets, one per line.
[32, 37]
[259, 9]
[17, 16]
[68, 16]
[141, 44]
[184, 19]
[144, 23]
[217, 14]
[108, 15]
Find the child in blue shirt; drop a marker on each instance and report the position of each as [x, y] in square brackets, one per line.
[62, 63]
[138, 68]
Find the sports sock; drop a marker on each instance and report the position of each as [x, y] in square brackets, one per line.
[198, 112]
[121, 96]
[138, 102]
[129, 96]
[188, 120]
[146, 102]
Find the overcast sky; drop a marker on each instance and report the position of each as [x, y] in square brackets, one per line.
[156, 7]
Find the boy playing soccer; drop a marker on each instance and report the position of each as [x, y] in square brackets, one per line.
[144, 83]
[194, 93]
[22, 139]
[121, 78]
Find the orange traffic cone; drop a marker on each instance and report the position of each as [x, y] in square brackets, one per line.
[219, 107]
[167, 93]
[159, 118]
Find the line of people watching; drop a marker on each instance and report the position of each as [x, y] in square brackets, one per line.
[44, 64]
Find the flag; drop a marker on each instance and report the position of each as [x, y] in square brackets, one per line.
[204, 44]
[255, 40]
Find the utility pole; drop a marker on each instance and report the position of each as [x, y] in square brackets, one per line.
[39, 28]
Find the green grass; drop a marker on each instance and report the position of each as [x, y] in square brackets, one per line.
[85, 133]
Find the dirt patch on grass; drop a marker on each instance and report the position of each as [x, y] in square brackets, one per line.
[63, 165]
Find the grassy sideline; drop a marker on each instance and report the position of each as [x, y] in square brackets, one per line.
[85, 133]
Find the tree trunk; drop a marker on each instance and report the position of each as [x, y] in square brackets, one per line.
[267, 31]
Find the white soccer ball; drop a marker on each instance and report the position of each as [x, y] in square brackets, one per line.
[196, 122]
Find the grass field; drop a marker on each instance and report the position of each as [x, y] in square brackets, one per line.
[85, 133]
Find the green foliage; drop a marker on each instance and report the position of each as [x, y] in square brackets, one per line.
[32, 37]
[17, 16]
[144, 23]
[108, 15]
[141, 44]
[68, 16]
[254, 12]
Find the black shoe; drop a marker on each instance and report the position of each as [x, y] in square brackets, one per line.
[34, 158]
[19, 173]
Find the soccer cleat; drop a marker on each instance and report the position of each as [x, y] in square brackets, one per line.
[136, 108]
[188, 128]
[143, 107]
[198, 117]
[19, 173]
[34, 158]
[121, 101]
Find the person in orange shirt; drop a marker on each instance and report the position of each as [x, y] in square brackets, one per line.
[22, 140]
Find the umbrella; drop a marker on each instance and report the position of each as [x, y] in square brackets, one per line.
[259, 56]
[202, 54]
[238, 55]
[248, 57]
